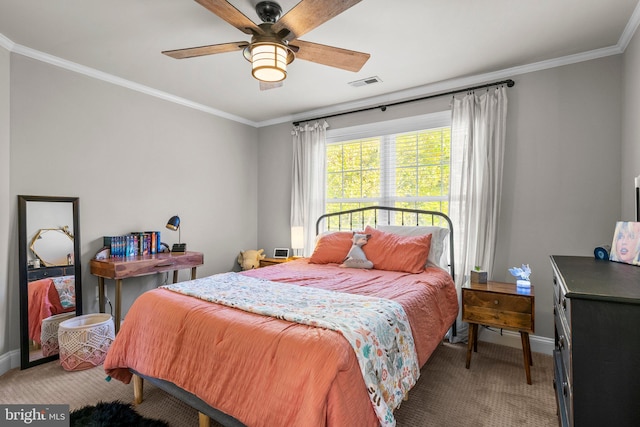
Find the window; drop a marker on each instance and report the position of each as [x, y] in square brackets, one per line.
[406, 166]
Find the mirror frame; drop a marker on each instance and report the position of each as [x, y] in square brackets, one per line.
[23, 245]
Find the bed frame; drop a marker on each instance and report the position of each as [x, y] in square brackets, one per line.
[358, 219]
[354, 219]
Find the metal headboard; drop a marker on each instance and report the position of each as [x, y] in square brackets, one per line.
[358, 219]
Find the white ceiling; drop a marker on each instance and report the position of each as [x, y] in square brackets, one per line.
[416, 46]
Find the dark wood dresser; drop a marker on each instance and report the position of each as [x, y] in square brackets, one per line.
[597, 341]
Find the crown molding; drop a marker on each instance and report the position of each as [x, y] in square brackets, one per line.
[426, 90]
[110, 78]
[630, 29]
[452, 84]
[6, 43]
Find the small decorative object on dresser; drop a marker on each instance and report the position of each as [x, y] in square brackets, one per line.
[602, 252]
[478, 275]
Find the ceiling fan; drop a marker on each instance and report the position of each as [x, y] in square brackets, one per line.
[275, 42]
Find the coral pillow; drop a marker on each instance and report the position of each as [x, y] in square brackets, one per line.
[332, 247]
[388, 251]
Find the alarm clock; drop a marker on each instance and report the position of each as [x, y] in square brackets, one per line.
[281, 253]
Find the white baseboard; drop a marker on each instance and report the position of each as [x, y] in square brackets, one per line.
[9, 361]
[539, 344]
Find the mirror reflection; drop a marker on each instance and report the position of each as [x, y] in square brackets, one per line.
[53, 246]
[49, 273]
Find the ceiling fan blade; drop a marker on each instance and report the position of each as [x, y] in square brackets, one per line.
[233, 16]
[307, 15]
[191, 52]
[349, 60]
[270, 85]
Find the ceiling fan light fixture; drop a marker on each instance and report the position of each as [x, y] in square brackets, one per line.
[269, 61]
[269, 51]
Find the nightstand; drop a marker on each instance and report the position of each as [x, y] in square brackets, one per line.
[273, 261]
[501, 305]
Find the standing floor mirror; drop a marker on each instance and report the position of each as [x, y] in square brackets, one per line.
[50, 279]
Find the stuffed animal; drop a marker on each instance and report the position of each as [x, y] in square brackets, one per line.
[250, 259]
[356, 257]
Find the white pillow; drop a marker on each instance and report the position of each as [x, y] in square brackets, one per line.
[438, 241]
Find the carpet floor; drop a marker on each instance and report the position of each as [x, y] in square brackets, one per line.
[493, 392]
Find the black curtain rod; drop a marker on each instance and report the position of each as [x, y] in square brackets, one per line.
[509, 83]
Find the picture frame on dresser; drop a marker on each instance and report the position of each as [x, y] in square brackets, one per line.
[625, 247]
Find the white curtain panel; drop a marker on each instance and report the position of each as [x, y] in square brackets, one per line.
[308, 180]
[478, 127]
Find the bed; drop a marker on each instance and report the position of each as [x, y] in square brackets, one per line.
[241, 367]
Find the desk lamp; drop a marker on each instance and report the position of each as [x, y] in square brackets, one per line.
[174, 224]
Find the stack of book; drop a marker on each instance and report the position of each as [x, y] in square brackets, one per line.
[133, 244]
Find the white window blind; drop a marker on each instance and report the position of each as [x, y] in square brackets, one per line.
[401, 163]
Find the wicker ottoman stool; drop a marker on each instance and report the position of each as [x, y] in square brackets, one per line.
[85, 340]
[49, 334]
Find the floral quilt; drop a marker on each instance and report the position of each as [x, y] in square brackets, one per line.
[66, 287]
[377, 328]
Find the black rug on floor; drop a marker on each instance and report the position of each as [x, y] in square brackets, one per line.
[111, 414]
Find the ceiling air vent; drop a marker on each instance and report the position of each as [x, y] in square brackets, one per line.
[367, 81]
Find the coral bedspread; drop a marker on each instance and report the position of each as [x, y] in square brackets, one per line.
[265, 371]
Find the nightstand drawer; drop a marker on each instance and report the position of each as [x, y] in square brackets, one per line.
[497, 309]
[265, 262]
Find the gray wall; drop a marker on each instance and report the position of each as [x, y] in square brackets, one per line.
[275, 154]
[561, 182]
[630, 163]
[133, 160]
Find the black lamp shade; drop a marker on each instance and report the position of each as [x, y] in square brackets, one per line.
[173, 223]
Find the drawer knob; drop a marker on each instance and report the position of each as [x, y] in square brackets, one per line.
[495, 302]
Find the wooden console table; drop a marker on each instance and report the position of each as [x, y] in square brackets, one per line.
[142, 265]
